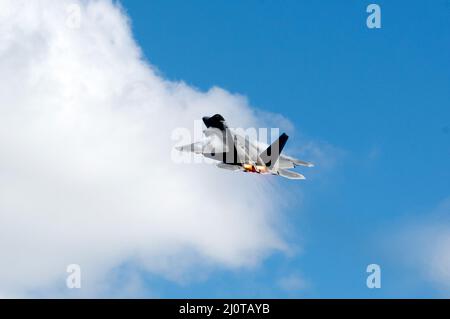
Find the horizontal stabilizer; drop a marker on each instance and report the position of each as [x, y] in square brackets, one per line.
[296, 161]
[302, 163]
[290, 174]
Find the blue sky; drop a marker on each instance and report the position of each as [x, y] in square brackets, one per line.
[376, 100]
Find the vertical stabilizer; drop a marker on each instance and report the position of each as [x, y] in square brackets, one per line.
[272, 153]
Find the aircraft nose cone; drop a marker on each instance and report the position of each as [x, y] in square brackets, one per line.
[206, 120]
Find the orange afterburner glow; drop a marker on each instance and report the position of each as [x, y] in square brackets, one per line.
[255, 169]
[261, 169]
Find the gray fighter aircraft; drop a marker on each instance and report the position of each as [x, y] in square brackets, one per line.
[237, 153]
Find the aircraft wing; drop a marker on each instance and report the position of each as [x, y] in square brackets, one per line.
[196, 147]
[211, 144]
[228, 167]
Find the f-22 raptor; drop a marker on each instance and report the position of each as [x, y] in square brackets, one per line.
[237, 153]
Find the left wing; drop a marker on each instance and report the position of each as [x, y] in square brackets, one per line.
[228, 167]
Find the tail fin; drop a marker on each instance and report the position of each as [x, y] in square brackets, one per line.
[271, 154]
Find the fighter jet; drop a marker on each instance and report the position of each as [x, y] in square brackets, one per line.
[237, 153]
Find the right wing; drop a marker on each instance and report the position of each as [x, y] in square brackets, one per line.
[218, 145]
[211, 143]
[196, 147]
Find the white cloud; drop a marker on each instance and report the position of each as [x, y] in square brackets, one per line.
[423, 245]
[85, 169]
[292, 283]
